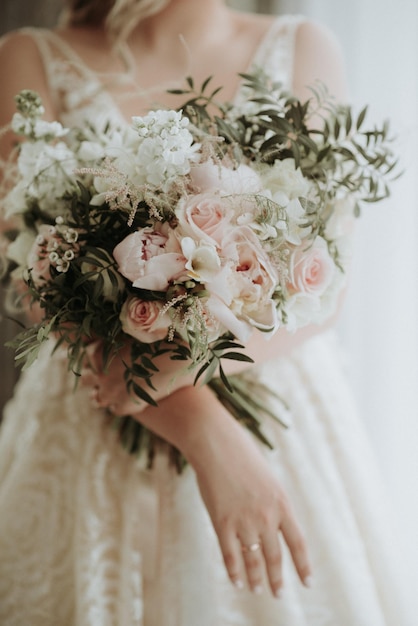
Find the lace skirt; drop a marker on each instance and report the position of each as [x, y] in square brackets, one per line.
[90, 537]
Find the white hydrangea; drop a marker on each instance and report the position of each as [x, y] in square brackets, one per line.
[47, 174]
[166, 149]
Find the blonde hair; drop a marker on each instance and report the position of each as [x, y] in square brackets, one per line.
[118, 17]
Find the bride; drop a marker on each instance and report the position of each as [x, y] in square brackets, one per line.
[88, 534]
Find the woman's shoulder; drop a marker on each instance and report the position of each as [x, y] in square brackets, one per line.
[318, 56]
[17, 45]
[21, 67]
[314, 50]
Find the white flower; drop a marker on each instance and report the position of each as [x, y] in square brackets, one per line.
[294, 233]
[18, 249]
[166, 149]
[15, 201]
[284, 178]
[43, 129]
[263, 230]
[203, 262]
[91, 151]
[21, 125]
[47, 174]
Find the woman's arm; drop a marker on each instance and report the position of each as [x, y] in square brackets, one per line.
[21, 67]
[318, 57]
[245, 501]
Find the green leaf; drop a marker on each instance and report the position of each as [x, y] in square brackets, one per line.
[237, 356]
[225, 379]
[143, 395]
[205, 83]
[360, 118]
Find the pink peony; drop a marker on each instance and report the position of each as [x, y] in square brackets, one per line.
[143, 320]
[149, 259]
[242, 293]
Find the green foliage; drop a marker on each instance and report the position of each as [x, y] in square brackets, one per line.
[335, 152]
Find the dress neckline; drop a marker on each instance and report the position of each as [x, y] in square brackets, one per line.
[278, 37]
[102, 79]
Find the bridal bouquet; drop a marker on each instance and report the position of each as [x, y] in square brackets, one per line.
[189, 230]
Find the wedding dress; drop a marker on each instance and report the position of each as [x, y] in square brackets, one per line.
[90, 537]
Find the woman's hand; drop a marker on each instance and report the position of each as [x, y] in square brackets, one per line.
[244, 499]
[108, 386]
[249, 510]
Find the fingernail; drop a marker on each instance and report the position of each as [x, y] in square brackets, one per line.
[278, 593]
[258, 590]
[308, 581]
[238, 584]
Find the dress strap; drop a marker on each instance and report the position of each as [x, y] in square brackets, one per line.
[67, 74]
[49, 43]
[276, 51]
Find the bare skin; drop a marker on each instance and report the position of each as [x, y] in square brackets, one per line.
[246, 504]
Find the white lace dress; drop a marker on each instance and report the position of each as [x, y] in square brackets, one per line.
[88, 537]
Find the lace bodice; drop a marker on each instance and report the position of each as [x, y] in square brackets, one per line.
[79, 94]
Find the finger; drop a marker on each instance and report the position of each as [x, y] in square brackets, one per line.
[273, 561]
[94, 356]
[295, 540]
[231, 553]
[88, 378]
[95, 400]
[252, 555]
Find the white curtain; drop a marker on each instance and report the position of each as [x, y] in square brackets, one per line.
[380, 322]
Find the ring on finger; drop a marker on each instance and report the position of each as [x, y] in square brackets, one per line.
[252, 547]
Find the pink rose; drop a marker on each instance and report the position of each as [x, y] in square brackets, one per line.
[311, 268]
[150, 259]
[209, 175]
[205, 217]
[143, 320]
